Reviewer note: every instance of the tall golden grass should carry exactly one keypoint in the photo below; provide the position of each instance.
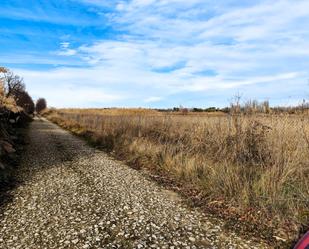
(254, 162)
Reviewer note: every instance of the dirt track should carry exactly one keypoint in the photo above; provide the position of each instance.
(73, 196)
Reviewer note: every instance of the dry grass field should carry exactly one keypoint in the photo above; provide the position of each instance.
(252, 167)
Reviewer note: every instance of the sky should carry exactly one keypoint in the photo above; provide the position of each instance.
(157, 53)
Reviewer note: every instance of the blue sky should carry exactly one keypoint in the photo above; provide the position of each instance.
(157, 53)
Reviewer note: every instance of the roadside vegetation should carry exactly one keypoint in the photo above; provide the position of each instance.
(16, 110)
(250, 164)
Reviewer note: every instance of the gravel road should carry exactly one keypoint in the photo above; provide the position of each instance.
(73, 196)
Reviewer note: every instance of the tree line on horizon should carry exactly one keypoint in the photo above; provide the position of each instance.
(247, 107)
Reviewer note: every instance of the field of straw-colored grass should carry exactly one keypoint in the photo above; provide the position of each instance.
(256, 164)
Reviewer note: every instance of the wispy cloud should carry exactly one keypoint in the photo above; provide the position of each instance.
(65, 49)
(162, 49)
(67, 88)
(153, 99)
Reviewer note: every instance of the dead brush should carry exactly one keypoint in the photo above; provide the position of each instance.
(253, 162)
(249, 144)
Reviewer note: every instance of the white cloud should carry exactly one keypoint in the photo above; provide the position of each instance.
(177, 46)
(153, 99)
(66, 87)
(65, 50)
(217, 83)
(64, 45)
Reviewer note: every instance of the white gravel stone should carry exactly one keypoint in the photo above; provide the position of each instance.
(192, 239)
(75, 241)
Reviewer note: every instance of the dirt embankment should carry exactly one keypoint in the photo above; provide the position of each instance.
(12, 139)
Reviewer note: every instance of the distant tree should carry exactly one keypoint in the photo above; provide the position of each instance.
(40, 105)
(197, 109)
(183, 110)
(211, 109)
(225, 110)
(235, 107)
(266, 107)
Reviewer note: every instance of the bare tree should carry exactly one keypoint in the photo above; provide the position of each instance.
(3, 70)
(14, 84)
(14, 87)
